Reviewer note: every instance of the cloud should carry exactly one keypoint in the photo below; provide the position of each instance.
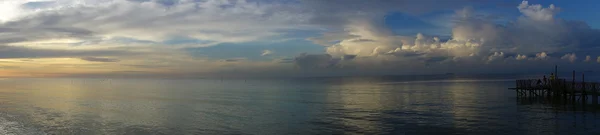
(233, 60)
(284, 60)
(537, 12)
(587, 59)
(348, 57)
(145, 66)
(7, 52)
(310, 61)
(571, 57)
(211, 20)
(473, 35)
(148, 35)
(99, 59)
(495, 56)
(541, 56)
(266, 52)
(435, 59)
(521, 57)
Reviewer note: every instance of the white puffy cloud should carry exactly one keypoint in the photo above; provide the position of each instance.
(495, 56)
(588, 58)
(571, 57)
(541, 56)
(537, 12)
(521, 57)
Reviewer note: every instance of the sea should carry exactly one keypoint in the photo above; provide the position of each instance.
(400, 105)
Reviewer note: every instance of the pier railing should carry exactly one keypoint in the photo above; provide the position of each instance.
(559, 84)
(560, 88)
(539, 84)
(584, 86)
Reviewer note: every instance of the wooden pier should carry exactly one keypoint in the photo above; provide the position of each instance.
(572, 91)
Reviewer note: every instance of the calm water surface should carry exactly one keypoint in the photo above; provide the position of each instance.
(367, 105)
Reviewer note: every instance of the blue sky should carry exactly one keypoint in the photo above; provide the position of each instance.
(203, 38)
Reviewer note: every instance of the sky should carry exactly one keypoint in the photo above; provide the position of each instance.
(293, 38)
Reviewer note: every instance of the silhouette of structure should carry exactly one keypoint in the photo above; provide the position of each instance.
(560, 89)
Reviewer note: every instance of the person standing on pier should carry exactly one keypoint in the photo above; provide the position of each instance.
(552, 77)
